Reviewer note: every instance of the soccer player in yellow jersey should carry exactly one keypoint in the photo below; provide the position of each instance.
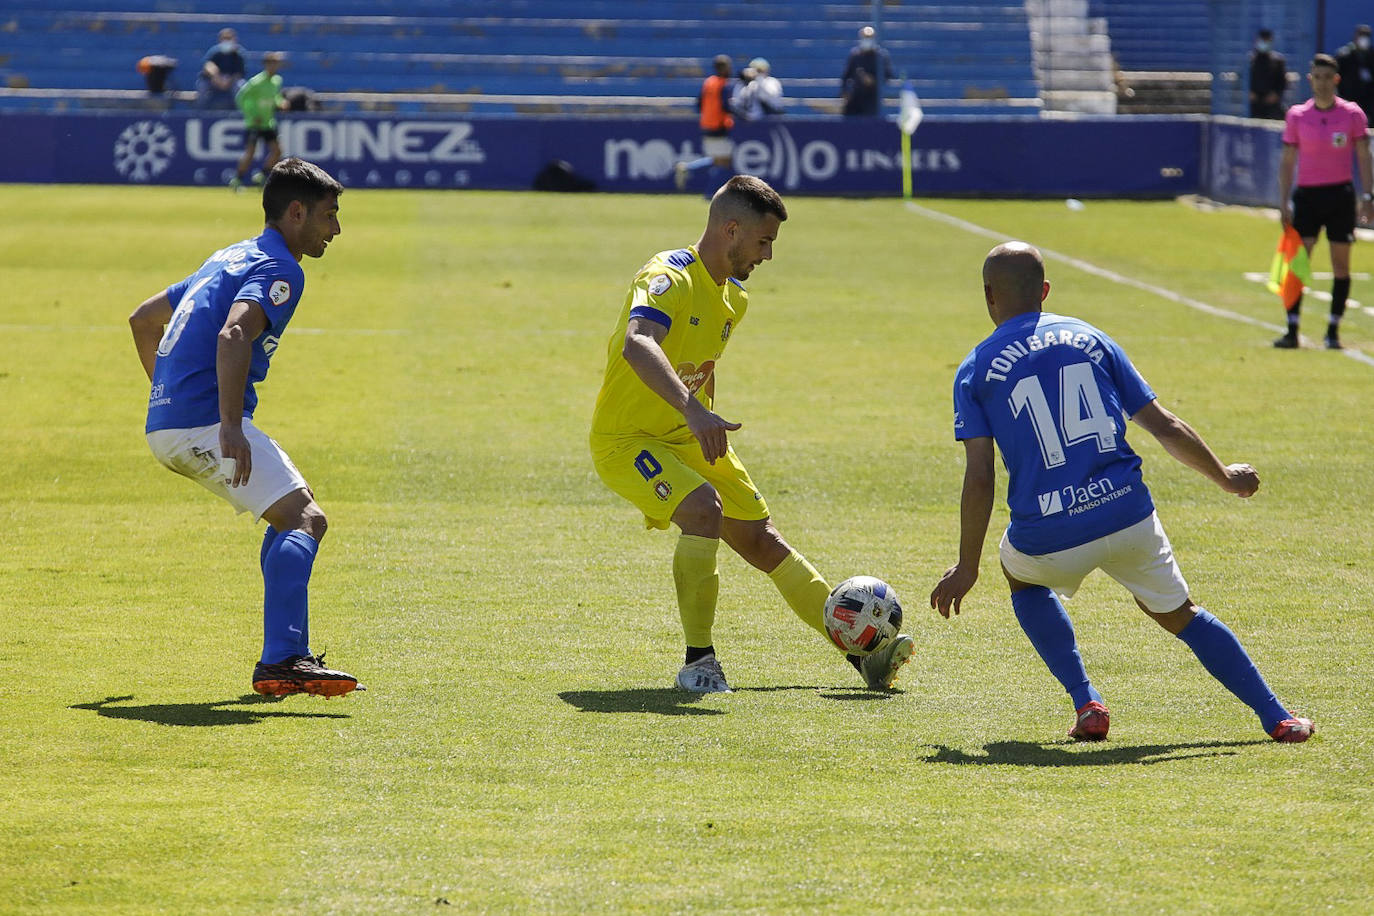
(657, 440)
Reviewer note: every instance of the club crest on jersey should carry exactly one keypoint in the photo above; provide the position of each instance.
(725, 331)
(1338, 139)
(663, 490)
(279, 292)
(660, 284)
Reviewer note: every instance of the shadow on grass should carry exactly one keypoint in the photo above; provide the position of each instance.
(245, 710)
(1072, 754)
(843, 694)
(670, 701)
(666, 701)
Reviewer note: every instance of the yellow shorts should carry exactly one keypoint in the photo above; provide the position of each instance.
(657, 474)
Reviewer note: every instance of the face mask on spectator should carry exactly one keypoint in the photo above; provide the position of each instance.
(1362, 43)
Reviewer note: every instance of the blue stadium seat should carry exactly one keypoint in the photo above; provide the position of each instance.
(652, 50)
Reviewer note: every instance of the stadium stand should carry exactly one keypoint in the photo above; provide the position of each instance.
(518, 56)
(1183, 56)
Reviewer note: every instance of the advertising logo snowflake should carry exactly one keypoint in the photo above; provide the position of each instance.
(144, 150)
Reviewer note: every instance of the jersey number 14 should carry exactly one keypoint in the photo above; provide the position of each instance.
(1082, 414)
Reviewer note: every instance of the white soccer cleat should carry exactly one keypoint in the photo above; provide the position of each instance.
(703, 676)
(880, 669)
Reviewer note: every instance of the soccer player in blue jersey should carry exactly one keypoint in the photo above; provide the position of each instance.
(205, 342)
(1052, 392)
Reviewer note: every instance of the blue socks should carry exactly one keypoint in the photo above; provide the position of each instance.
(1226, 660)
(1047, 624)
(287, 559)
(269, 537)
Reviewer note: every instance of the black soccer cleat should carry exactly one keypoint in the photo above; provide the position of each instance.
(302, 674)
(1288, 341)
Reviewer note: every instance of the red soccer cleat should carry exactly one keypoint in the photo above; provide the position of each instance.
(1092, 723)
(1293, 731)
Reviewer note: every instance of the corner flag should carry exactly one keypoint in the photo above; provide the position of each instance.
(1290, 268)
(909, 117)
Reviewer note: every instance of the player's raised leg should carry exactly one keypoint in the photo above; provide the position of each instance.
(762, 547)
(1222, 654)
(805, 591)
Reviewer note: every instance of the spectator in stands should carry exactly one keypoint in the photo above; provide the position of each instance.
(865, 72)
(260, 99)
(767, 88)
(221, 72)
(757, 95)
(1268, 78)
(157, 70)
(713, 103)
(1356, 64)
(1319, 138)
(744, 100)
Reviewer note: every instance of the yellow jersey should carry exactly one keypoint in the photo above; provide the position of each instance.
(676, 290)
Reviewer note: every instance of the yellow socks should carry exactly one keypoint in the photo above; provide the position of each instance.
(698, 582)
(803, 589)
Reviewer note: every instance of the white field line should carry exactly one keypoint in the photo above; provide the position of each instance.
(1114, 277)
(1257, 277)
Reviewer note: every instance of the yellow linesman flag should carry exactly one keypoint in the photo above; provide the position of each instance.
(1290, 269)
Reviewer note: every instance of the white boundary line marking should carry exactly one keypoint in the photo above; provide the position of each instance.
(1113, 276)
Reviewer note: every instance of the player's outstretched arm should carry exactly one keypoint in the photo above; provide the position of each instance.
(1184, 444)
(975, 509)
(147, 323)
(644, 352)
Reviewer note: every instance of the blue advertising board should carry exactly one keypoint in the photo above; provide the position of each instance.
(1242, 161)
(1011, 156)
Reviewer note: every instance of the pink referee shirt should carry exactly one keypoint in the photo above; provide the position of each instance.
(1325, 138)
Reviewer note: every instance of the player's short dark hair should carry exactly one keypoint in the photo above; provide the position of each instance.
(295, 179)
(747, 192)
(1326, 60)
(1266, 34)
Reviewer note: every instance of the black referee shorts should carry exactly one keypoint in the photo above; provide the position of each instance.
(1329, 205)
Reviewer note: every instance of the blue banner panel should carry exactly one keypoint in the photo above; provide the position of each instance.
(1010, 156)
(1243, 161)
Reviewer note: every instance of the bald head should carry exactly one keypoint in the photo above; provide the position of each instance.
(1013, 280)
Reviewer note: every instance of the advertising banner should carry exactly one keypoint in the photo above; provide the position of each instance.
(1012, 156)
(1242, 161)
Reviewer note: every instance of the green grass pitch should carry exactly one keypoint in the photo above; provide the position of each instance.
(520, 748)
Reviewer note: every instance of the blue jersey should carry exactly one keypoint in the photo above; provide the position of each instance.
(1054, 393)
(185, 385)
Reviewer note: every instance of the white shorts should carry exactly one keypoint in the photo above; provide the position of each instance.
(1139, 557)
(194, 453)
(717, 147)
